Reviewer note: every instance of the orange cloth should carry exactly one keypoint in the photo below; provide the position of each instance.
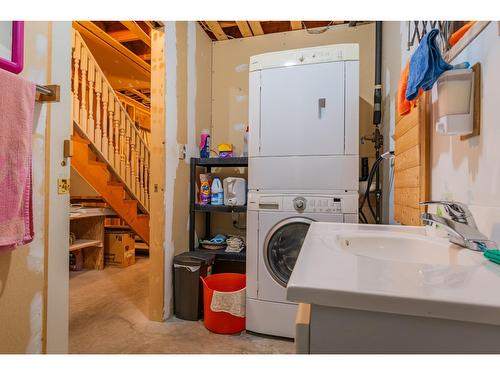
(457, 35)
(405, 106)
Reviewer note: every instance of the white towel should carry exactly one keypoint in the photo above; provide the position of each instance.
(229, 302)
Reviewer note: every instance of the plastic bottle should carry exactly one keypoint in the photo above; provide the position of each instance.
(204, 189)
(217, 192)
(205, 144)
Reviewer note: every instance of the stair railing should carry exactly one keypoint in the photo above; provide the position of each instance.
(99, 115)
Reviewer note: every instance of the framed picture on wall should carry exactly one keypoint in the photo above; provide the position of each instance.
(14, 64)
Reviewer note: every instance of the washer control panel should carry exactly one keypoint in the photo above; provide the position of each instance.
(335, 204)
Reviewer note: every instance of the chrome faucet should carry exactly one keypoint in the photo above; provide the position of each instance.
(461, 227)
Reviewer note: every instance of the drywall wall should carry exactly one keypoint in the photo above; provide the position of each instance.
(188, 88)
(466, 171)
(230, 77)
(22, 270)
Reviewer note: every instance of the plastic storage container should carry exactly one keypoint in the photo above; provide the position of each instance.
(222, 322)
(188, 291)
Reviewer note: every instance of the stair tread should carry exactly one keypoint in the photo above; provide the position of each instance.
(115, 183)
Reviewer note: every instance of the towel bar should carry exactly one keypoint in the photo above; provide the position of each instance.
(49, 93)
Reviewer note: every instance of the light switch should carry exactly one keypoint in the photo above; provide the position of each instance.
(63, 186)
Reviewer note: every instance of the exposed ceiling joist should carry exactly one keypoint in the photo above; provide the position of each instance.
(296, 25)
(98, 32)
(136, 29)
(244, 28)
(145, 56)
(216, 29)
(138, 105)
(123, 35)
(256, 27)
(140, 95)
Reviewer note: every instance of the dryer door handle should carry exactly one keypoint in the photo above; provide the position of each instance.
(321, 108)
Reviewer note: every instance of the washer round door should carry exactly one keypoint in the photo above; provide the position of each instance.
(282, 247)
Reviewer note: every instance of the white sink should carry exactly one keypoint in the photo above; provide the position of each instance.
(401, 247)
(394, 269)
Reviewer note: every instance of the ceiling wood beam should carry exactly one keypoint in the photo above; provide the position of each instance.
(145, 56)
(136, 29)
(296, 25)
(123, 35)
(140, 95)
(256, 28)
(90, 27)
(138, 105)
(244, 28)
(215, 28)
(224, 24)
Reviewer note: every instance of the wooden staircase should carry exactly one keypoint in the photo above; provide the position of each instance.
(113, 192)
(108, 150)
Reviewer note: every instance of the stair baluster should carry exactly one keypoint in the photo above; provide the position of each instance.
(77, 48)
(83, 101)
(98, 130)
(91, 79)
(121, 145)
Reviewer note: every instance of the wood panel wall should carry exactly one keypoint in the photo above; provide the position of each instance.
(412, 162)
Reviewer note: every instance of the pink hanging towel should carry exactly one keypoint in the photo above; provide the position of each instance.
(17, 104)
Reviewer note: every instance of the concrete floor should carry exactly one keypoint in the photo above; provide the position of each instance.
(108, 315)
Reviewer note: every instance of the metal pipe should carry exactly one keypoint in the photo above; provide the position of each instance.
(44, 90)
(377, 115)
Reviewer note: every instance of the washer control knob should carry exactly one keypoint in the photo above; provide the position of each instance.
(299, 204)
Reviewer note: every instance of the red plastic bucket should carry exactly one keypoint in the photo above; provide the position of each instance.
(222, 322)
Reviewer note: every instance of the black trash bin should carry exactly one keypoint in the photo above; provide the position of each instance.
(188, 289)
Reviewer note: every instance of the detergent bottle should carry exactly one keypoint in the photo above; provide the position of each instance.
(217, 192)
(204, 189)
(205, 144)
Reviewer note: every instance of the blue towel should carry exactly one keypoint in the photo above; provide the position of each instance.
(426, 65)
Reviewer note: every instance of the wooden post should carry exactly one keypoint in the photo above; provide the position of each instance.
(157, 203)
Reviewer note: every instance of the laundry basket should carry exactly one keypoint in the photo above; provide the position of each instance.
(234, 284)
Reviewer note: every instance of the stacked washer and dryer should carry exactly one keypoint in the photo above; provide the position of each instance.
(303, 166)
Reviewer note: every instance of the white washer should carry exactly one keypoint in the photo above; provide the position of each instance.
(276, 227)
(304, 118)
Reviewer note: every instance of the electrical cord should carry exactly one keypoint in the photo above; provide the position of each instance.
(366, 196)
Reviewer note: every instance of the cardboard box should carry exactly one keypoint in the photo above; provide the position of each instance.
(119, 248)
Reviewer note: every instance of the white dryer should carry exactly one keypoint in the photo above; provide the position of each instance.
(276, 227)
(304, 118)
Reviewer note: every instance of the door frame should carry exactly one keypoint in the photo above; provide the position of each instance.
(157, 179)
(55, 329)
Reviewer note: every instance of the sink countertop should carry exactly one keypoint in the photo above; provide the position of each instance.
(462, 286)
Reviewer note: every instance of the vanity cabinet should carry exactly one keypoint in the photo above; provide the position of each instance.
(333, 330)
